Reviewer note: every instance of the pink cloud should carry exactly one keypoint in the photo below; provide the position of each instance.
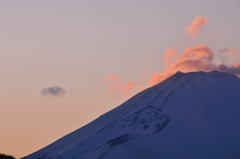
(112, 77)
(115, 84)
(195, 27)
(170, 55)
(197, 58)
(147, 71)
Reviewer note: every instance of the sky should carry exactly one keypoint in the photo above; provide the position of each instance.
(64, 63)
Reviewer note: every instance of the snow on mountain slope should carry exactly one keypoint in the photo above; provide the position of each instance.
(190, 115)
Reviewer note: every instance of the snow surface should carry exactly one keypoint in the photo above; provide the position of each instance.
(188, 116)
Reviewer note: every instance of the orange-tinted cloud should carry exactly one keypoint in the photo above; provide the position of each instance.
(170, 55)
(157, 77)
(115, 84)
(197, 58)
(195, 27)
(199, 51)
(143, 88)
(147, 71)
(112, 77)
(193, 58)
(130, 85)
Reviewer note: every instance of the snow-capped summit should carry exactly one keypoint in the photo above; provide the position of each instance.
(190, 115)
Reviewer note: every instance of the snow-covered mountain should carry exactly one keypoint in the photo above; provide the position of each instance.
(188, 116)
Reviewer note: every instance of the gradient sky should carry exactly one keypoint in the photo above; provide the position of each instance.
(76, 44)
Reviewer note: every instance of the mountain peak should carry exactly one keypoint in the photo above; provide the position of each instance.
(189, 115)
(199, 76)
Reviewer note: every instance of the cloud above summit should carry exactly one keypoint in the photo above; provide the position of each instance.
(197, 58)
(194, 58)
(194, 29)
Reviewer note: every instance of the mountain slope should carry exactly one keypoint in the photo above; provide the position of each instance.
(189, 115)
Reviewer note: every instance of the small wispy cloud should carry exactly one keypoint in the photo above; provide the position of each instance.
(115, 84)
(195, 27)
(170, 54)
(53, 91)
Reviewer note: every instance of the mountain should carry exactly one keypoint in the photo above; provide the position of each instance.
(188, 116)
